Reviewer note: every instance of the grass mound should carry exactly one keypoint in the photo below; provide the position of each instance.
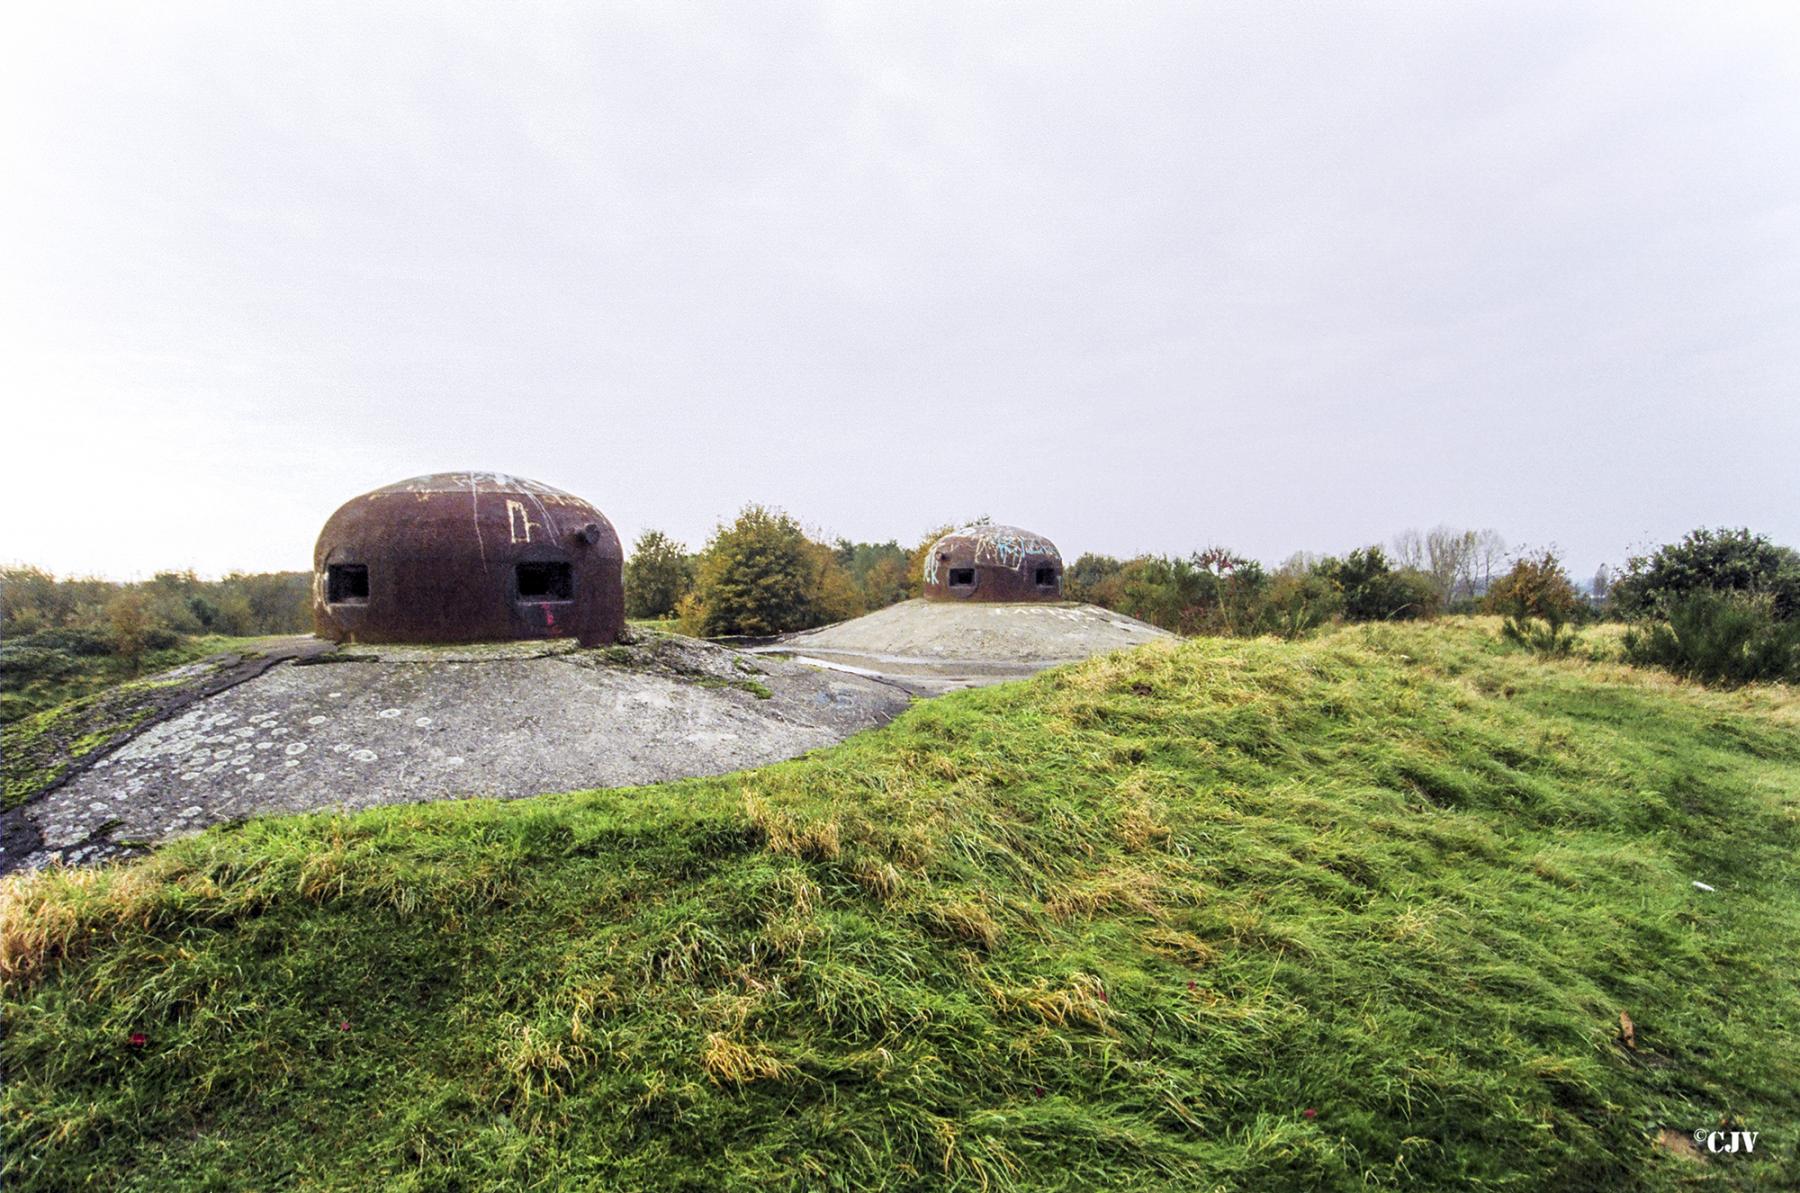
(40, 672)
(1363, 911)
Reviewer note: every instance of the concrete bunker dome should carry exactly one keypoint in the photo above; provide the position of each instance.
(985, 562)
(468, 557)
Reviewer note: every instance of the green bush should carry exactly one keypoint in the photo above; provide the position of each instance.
(1083, 578)
(1298, 602)
(20, 662)
(1209, 592)
(659, 574)
(1372, 590)
(33, 601)
(879, 570)
(1535, 587)
(70, 641)
(884, 583)
(1710, 561)
(763, 575)
(1726, 638)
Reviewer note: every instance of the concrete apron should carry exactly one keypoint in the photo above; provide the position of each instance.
(366, 726)
(932, 647)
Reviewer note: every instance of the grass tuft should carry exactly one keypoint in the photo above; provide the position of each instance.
(728, 1062)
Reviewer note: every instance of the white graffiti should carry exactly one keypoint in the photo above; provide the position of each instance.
(518, 521)
(487, 482)
(1000, 546)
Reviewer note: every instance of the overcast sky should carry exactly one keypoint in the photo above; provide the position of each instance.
(1141, 278)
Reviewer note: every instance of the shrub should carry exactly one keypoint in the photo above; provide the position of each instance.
(1082, 579)
(1538, 602)
(763, 575)
(129, 614)
(1536, 586)
(835, 594)
(1372, 590)
(657, 576)
(1156, 589)
(19, 663)
(1409, 596)
(885, 582)
(1298, 602)
(1726, 638)
(81, 642)
(1710, 561)
(33, 601)
(1209, 592)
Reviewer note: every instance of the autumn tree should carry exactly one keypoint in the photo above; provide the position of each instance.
(763, 575)
(1538, 602)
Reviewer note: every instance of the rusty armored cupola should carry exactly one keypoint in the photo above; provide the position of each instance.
(468, 557)
(993, 563)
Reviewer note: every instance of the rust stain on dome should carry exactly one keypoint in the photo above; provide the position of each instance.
(993, 563)
(468, 557)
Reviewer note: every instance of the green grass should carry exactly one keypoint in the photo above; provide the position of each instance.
(36, 750)
(656, 625)
(78, 676)
(1360, 912)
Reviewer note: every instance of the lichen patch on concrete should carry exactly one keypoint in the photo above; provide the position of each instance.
(362, 728)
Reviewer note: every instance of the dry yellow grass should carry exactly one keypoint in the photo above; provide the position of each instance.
(46, 912)
(728, 1062)
(1082, 1000)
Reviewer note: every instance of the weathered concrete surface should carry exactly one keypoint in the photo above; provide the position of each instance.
(930, 647)
(82, 732)
(369, 726)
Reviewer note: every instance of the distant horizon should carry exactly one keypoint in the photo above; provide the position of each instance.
(1144, 279)
(1580, 576)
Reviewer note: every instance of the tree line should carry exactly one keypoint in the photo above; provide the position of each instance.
(61, 636)
(1719, 605)
(765, 574)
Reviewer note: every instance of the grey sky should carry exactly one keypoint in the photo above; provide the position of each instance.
(1137, 277)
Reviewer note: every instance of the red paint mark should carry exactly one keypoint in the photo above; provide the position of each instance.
(549, 617)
